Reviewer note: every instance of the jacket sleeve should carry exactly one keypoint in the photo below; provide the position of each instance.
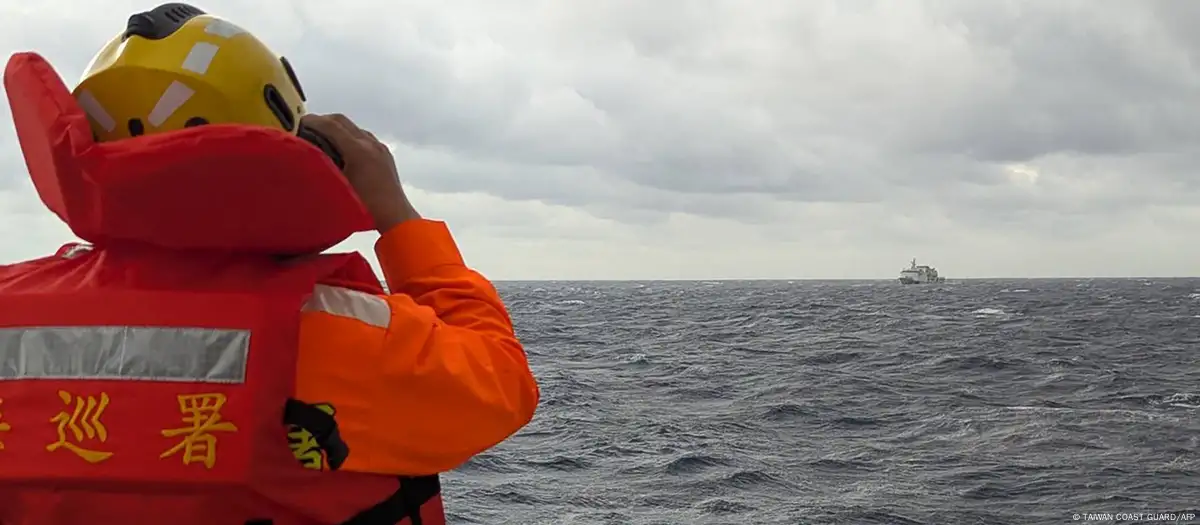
(424, 378)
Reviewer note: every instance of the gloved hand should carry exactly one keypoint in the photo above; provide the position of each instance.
(370, 169)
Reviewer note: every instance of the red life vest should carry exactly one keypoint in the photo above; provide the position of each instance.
(148, 380)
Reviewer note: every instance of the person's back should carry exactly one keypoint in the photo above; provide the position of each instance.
(183, 369)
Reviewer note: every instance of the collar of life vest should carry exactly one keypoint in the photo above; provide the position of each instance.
(227, 188)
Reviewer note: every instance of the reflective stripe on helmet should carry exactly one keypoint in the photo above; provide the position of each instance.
(176, 95)
(96, 110)
(223, 28)
(198, 60)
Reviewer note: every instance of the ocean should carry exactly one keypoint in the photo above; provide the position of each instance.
(850, 402)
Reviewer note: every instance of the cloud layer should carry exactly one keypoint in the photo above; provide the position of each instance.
(706, 139)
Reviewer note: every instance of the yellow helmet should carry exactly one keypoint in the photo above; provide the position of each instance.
(176, 67)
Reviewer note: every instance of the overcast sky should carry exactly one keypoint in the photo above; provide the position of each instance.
(626, 139)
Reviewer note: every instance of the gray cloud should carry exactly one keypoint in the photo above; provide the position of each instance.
(811, 107)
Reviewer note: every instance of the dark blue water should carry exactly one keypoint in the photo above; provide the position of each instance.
(970, 402)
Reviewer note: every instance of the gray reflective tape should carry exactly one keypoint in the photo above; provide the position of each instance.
(119, 352)
(344, 302)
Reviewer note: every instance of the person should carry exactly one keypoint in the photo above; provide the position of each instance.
(207, 363)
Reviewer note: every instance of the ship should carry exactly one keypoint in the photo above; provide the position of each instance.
(920, 274)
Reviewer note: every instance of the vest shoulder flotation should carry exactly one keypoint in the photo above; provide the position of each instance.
(213, 187)
(146, 386)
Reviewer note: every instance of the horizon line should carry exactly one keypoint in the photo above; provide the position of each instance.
(777, 279)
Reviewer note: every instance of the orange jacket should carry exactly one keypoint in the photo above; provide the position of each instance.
(424, 378)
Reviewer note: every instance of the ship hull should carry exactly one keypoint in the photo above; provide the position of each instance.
(907, 280)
